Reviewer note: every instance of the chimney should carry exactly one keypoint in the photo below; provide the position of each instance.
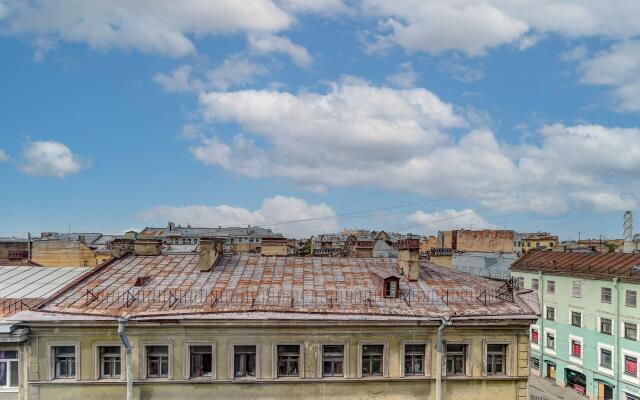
(81, 238)
(147, 247)
(209, 252)
(171, 226)
(408, 258)
(629, 245)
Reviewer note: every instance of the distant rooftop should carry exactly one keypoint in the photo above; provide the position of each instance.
(190, 231)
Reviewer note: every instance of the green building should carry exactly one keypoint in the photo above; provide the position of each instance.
(587, 336)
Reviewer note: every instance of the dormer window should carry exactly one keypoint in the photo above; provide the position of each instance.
(391, 288)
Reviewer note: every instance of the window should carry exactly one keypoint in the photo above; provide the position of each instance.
(576, 318)
(372, 359)
(200, 361)
(496, 354)
(244, 361)
(630, 298)
(605, 326)
(551, 341)
(289, 360)
(9, 369)
(551, 287)
(605, 295)
(576, 348)
(576, 289)
(630, 331)
(535, 283)
(109, 361)
(456, 359)
(333, 360)
(64, 361)
(519, 282)
(630, 365)
(414, 359)
(551, 313)
(535, 336)
(606, 358)
(535, 363)
(391, 288)
(157, 361)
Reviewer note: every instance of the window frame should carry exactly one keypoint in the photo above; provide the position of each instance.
(573, 358)
(7, 388)
(602, 294)
(426, 368)
(624, 330)
(231, 364)
(385, 358)
(571, 312)
(612, 324)
(546, 313)
(547, 349)
(623, 374)
(537, 284)
(602, 368)
(506, 361)
(187, 360)
(467, 358)
(535, 345)
(531, 358)
(627, 292)
(551, 287)
(143, 361)
(345, 359)
(97, 367)
(275, 358)
(51, 360)
(576, 289)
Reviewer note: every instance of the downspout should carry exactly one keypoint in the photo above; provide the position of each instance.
(541, 335)
(617, 327)
(127, 346)
(439, 352)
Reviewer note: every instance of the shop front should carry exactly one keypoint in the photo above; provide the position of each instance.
(576, 380)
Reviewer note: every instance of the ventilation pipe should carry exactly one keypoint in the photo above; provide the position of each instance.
(440, 350)
(129, 362)
(629, 245)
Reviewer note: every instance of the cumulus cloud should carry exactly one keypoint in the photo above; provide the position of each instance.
(404, 77)
(266, 44)
(316, 6)
(151, 26)
(49, 158)
(277, 209)
(179, 80)
(235, 71)
(449, 219)
(3, 156)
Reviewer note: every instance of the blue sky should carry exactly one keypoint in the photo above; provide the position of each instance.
(407, 115)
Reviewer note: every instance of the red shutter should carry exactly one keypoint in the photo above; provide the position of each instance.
(576, 349)
(631, 366)
(534, 336)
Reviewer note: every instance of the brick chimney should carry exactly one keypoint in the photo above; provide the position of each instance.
(409, 259)
(147, 247)
(209, 252)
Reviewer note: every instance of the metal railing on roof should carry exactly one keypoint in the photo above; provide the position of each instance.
(13, 306)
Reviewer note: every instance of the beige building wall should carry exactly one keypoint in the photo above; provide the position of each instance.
(444, 261)
(268, 386)
(63, 254)
(275, 249)
(485, 240)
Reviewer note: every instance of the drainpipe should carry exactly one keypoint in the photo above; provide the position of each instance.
(127, 346)
(439, 352)
(541, 335)
(617, 327)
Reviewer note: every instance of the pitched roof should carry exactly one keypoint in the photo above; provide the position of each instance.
(593, 265)
(269, 284)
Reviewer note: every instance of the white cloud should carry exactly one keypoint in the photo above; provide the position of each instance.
(49, 158)
(404, 77)
(273, 209)
(3, 156)
(619, 69)
(235, 71)
(179, 80)
(577, 53)
(449, 219)
(152, 26)
(316, 6)
(43, 46)
(460, 71)
(265, 44)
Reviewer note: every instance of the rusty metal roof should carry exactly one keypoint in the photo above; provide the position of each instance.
(247, 283)
(593, 265)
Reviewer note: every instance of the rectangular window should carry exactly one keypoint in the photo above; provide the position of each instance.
(157, 361)
(372, 359)
(551, 287)
(244, 361)
(64, 361)
(605, 326)
(496, 354)
(535, 283)
(535, 363)
(576, 348)
(9, 369)
(200, 361)
(456, 359)
(576, 289)
(576, 318)
(605, 295)
(605, 358)
(551, 313)
(109, 361)
(630, 298)
(414, 359)
(535, 336)
(333, 360)
(391, 288)
(288, 360)
(630, 365)
(519, 282)
(630, 331)
(551, 341)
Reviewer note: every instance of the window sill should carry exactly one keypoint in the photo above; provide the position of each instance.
(9, 390)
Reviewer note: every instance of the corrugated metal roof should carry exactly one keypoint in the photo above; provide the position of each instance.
(21, 282)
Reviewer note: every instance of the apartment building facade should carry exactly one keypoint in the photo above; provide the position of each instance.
(587, 336)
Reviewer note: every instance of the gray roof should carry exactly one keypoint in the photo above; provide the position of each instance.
(18, 282)
(208, 232)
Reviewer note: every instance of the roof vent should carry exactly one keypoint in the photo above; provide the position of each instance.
(142, 280)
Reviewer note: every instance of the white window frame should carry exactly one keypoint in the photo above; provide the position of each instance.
(385, 358)
(572, 358)
(231, 366)
(7, 388)
(345, 359)
(613, 325)
(623, 375)
(626, 297)
(187, 360)
(274, 364)
(610, 294)
(535, 346)
(576, 289)
(554, 287)
(97, 371)
(605, 370)
(551, 351)
(51, 360)
(582, 324)
(622, 330)
(555, 313)
(143, 360)
(427, 358)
